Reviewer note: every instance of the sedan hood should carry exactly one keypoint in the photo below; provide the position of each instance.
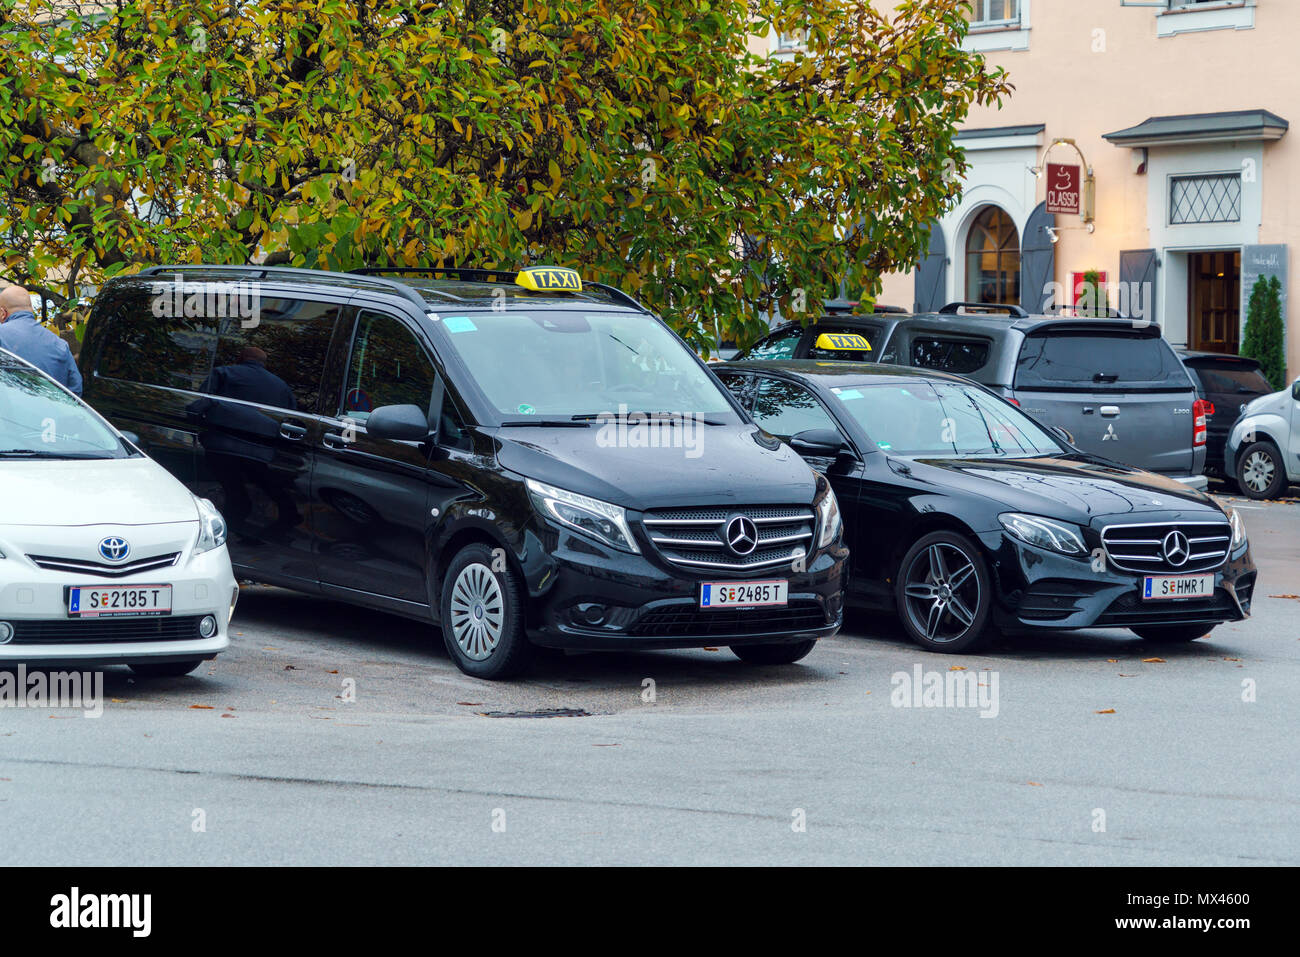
(1078, 489)
(134, 491)
(707, 465)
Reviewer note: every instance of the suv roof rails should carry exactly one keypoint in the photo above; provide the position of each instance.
(839, 306)
(473, 274)
(955, 308)
(290, 272)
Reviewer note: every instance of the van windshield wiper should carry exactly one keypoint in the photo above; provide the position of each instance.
(652, 416)
(547, 423)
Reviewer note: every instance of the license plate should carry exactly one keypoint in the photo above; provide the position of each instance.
(1183, 586)
(743, 594)
(113, 601)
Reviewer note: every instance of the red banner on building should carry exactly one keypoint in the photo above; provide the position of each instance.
(1064, 189)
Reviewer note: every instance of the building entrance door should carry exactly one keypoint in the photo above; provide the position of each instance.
(1214, 301)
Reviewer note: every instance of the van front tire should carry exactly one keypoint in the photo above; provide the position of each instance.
(482, 614)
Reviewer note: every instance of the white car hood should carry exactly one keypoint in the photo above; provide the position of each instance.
(134, 491)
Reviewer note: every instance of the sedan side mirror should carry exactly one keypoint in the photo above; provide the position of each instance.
(818, 443)
(404, 423)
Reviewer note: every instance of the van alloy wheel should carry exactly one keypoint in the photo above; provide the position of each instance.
(477, 614)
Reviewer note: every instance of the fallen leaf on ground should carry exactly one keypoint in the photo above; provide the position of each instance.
(1107, 711)
(202, 707)
(957, 668)
(1284, 596)
(470, 704)
(1155, 661)
(334, 672)
(1112, 661)
(1034, 784)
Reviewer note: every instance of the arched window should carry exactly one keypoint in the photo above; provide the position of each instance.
(993, 258)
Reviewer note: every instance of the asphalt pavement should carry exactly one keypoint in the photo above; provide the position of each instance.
(333, 735)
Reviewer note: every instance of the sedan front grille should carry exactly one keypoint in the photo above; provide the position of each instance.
(103, 569)
(697, 537)
(1144, 548)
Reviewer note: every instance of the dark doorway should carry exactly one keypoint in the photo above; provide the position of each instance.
(1214, 301)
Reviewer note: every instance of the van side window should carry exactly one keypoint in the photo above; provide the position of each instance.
(141, 347)
(289, 338)
(958, 356)
(388, 366)
(451, 426)
(785, 409)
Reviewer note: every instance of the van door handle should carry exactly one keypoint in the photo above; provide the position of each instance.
(334, 440)
(293, 433)
(1110, 410)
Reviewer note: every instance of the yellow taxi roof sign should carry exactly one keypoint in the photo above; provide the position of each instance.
(842, 340)
(549, 279)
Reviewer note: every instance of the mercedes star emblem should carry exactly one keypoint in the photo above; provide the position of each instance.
(1177, 548)
(742, 535)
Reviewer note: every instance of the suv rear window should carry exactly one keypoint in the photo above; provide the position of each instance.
(1233, 378)
(958, 356)
(1099, 361)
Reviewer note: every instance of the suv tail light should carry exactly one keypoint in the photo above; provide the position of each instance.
(1201, 411)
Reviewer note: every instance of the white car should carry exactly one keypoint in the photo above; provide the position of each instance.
(1263, 448)
(105, 558)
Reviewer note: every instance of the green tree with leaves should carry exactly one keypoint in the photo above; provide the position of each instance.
(642, 143)
(1263, 337)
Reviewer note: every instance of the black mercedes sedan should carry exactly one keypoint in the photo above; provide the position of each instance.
(968, 517)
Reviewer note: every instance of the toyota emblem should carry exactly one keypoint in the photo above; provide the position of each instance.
(1177, 548)
(742, 535)
(114, 549)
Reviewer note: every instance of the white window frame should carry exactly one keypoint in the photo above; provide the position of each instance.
(980, 17)
(986, 36)
(1197, 16)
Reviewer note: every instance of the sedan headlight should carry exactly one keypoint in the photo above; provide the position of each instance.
(828, 518)
(212, 527)
(1044, 533)
(602, 521)
(1238, 525)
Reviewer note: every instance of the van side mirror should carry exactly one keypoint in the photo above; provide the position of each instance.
(403, 423)
(818, 443)
(1295, 390)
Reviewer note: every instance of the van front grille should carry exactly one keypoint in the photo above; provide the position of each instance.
(697, 537)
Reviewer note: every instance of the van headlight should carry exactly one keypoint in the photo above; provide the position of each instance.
(1238, 526)
(1044, 533)
(212, 527)
(828, 518)
(602, 521)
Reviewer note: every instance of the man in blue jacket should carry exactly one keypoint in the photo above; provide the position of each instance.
(27, 339)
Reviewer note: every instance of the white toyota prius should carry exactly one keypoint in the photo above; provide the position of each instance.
(105, 558)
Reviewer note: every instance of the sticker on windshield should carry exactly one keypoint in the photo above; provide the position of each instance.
(460, 324)
(846, 394)
(885, 445)
(526, 409)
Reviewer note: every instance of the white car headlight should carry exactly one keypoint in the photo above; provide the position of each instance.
(602, 521)
(1238, 525)
(212, 527)
(828, 519)
(1044, 533)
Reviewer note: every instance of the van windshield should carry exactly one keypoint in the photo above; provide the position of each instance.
(562, 364)
(38, 420)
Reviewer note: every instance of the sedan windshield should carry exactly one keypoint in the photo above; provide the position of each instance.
(38, 420)
(939, 419)
(563, 365)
